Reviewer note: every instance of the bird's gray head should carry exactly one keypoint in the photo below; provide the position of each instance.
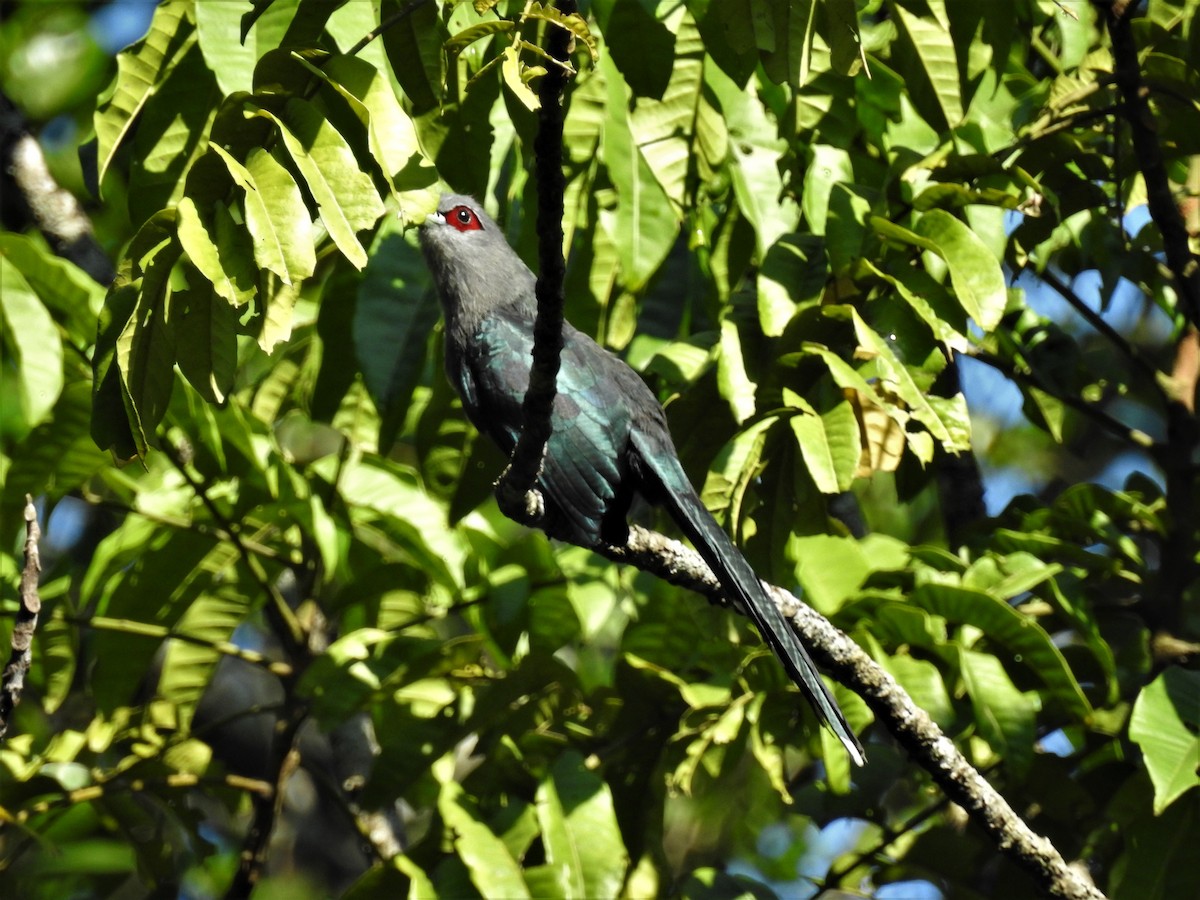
(474, 268)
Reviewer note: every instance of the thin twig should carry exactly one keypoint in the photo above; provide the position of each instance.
(13, 681)
(284, 620)
(1097, 322)
(1134, 436)
(403, 13)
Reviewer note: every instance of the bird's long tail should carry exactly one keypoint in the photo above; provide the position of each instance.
(740, 583)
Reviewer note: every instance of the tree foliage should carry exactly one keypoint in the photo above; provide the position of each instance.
(293, 627)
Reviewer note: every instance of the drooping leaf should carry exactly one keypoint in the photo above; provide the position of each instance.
(643, 226)
(141, 68)
(936, 54)
(204, 334)
(1164, 724)
(390, 132)
(493, 870)
(218, 249)
(414, 48)
(346, 197)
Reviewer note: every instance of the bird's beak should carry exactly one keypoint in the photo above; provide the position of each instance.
(436, 218)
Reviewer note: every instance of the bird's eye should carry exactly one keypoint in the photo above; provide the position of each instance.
(464, 219)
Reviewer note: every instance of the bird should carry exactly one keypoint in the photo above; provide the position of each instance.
(609, 441)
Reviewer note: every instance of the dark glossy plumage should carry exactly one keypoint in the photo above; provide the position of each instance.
(610, 439)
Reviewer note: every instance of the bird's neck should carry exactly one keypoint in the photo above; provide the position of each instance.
(467, 315)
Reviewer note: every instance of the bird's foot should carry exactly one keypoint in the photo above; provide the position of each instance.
(527, 507)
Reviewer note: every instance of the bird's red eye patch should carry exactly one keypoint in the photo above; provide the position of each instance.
(464, 219)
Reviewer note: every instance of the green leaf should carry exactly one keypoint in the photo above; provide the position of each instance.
(975, 272)
(141, 69)
(1159, 852)
(923, 294)
(465, 38)
(113, 420)
(216, 248)
(167, 575)
(583, 125)
(172, 133)
(579, 829)
(828, 167)
(756, 148)
(346, 196)
(414, 48)
(493, 870)
(391, 134)
(845, 233)
(233, 39)
(947, 420)
(664, 128)
(831, 568)
(393, 317)
(204, 334)
(924, 683)
(145, 351)
(57, 456)
(573, 23)
(643, 226)
(846, 56)
(830, 443)
(734, 470)
(31, 344)
(209, 622)
(1164, 724)
(732, 381)
(1005, 716)
(72, 297)
(792, 278)
(276, 216)
(930, 35)
(1019, 634)
(786, 40)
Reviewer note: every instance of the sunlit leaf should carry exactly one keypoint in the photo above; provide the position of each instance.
(140, 70)
(1164, 724)
(30, 339)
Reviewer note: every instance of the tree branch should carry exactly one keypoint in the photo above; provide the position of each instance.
(267, 806)
(55, 211)
(1161, 201)
(514, 491)
(13, 681)
(893, 708)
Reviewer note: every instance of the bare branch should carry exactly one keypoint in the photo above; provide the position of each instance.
(893, 708)
(13, 680)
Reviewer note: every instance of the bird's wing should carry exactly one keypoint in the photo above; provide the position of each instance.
(586, 459)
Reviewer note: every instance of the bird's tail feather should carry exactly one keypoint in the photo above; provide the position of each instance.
(740, 582)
